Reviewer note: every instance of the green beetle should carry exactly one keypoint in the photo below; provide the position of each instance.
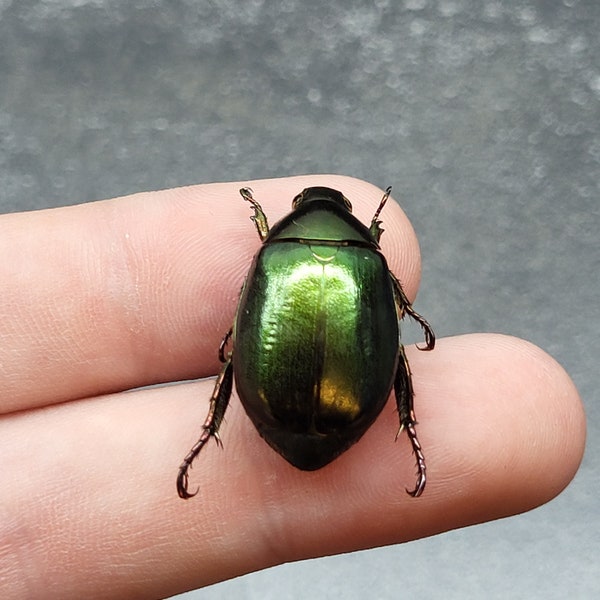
(316, 339)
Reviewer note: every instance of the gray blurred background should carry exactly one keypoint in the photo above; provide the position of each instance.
(484, 116)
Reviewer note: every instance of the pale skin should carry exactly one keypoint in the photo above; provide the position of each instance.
(108, 296)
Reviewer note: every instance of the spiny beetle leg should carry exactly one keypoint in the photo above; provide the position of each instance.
(259, 217)
(404, 306)
(223, 345)
(218, 405)
(404, 400)
(375, 228)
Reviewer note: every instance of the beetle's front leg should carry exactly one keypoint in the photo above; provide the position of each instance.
(404, 306)
(218, 405)
(375, 227)
(404, 392)
(259, 217)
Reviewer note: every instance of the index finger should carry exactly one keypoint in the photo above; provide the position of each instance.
(122, 293)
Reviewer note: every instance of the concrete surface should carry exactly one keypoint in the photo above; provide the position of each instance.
(485, 116)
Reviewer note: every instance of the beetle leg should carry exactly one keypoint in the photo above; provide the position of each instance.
(404, 392)
(259, 217)
(218, 405)
(223, 344)
(404, 306)
(375, 228)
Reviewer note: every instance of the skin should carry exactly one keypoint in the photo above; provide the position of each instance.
(108, 296)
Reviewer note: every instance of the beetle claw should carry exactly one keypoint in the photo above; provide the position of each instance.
(182, 483)
(419, 487)
(187, 495)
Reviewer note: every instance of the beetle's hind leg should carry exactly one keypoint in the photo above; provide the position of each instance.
(259, 217)
(404, 392)
(218, 405)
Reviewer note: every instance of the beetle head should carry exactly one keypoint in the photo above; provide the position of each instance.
(321, 193)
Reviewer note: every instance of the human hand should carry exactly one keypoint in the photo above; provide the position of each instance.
(108, 296)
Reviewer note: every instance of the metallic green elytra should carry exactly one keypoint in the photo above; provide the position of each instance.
(316, 344)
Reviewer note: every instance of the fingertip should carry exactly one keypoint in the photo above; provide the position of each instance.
(508, 427)
(557, 418)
